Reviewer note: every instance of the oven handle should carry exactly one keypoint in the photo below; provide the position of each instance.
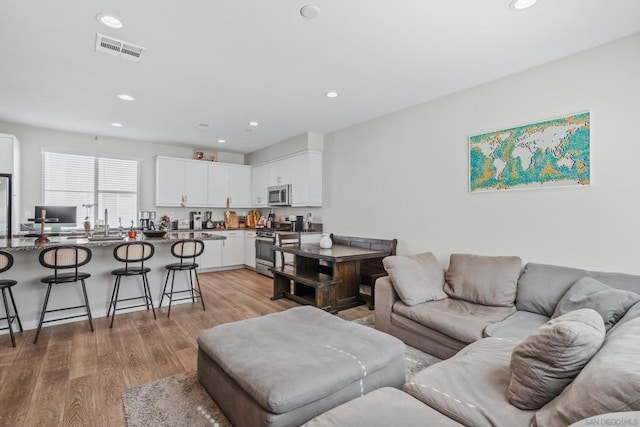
(266, 239)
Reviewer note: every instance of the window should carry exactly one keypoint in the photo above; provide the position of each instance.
(106, 183)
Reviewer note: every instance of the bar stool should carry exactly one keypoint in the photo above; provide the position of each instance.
(187, 251)
(6, 262)
(65, 257)
(135, 253)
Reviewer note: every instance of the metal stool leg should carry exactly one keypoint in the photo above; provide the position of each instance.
(113, 293)
(193, 297)
(199, 289)
(164, 289)
(86, 302)
(9, 319)
(173, 279)
(44, 310)
(116, 289)
(147, 293)
(15, 310)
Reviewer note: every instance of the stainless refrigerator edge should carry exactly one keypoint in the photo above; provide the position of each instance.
(6, 192)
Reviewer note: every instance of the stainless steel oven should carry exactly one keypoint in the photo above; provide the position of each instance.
(265, 255)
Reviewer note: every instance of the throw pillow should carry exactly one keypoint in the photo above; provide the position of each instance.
(487, 280)
(609, 383)
(550, 358)
(417, 278)
(588, 292)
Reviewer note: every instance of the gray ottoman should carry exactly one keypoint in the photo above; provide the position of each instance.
(285, 368)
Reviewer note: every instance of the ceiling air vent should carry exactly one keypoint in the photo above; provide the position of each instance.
(115, 47)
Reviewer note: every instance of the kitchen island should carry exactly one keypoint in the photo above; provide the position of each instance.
(29, 293)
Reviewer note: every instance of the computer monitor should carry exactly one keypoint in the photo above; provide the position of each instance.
(67, 215)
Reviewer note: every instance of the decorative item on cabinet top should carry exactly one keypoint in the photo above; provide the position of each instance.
(211, 156)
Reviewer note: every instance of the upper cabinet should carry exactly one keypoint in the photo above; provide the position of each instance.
(303, 171)
(181, 182)
(231, 181)
(196, 183)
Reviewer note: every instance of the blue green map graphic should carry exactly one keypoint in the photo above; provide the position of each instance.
(543, 154)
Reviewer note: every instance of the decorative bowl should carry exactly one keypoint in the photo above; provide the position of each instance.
(154, 233)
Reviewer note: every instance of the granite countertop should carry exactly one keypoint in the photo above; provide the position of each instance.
(28, 243)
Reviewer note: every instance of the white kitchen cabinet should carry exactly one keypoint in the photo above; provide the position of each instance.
(212, 255)
(231, 181)
(303, 171)
(280, 171)
(233, 248)
(306, 179)
(259, 184)
(250, 248)
(181, 181)
(240, 186)
(10, 164)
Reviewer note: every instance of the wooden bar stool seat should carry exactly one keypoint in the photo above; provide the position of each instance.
(186, 251)
(61, 258)
(133, 254)
(6, 262)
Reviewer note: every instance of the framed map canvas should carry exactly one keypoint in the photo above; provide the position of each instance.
(544, 154)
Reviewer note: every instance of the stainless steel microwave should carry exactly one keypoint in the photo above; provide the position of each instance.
(280, 195)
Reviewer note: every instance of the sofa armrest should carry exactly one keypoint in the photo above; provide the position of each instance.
(385, 297)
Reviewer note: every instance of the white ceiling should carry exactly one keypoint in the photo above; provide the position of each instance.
(228, 62)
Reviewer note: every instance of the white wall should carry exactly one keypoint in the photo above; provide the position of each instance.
(405, 175)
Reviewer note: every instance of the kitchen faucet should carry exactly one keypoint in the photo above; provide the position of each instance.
(106, 222)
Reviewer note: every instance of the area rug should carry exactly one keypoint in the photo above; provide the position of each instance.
(180, 400)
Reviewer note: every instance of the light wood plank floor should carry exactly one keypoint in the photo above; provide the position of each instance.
(73, 377)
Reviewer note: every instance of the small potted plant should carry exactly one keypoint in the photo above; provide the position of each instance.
(87, 220)
(132, 232)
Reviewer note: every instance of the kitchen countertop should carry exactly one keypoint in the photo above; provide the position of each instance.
(28, 243)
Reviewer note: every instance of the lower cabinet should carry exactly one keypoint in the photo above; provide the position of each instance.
(250, 248)
(233, 248)
(212, 255)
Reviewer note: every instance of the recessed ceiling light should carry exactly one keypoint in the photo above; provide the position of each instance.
(203, 125)
(331, 94)
(222, 141)
(109, 20)
(522, 4)
(125, 97)
(310, 11)
(253, 123)
(116, 125)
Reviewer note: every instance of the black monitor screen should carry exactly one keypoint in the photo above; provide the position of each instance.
(65, 214)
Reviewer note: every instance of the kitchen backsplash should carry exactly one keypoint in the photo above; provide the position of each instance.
(218, 213)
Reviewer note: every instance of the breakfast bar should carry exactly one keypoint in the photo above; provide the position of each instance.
(325, 278)
(29, 293)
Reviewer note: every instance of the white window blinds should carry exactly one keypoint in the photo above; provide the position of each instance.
(106, 183)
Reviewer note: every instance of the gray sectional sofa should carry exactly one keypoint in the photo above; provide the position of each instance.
(542, 346)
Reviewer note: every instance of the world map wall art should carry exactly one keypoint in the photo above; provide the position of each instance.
(544, 154)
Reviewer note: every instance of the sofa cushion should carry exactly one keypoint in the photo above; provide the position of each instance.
(417, 278)
(546, 361)
(462, 320)
(488, 280)
(383, 407)
(517, 327)
(631, 314)
(588, 292)
(541, 286)
(609, 383)
(471, 387)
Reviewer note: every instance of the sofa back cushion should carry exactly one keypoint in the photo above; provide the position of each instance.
(609, 383)
(588, 292)
(417, 278)
(541, 286)
(551, 357)
(487, 280)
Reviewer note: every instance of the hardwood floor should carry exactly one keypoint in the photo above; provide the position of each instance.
(74, 377)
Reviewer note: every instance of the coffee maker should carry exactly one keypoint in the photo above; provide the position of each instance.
(147, 220)
(208, 220)
(196, 220)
